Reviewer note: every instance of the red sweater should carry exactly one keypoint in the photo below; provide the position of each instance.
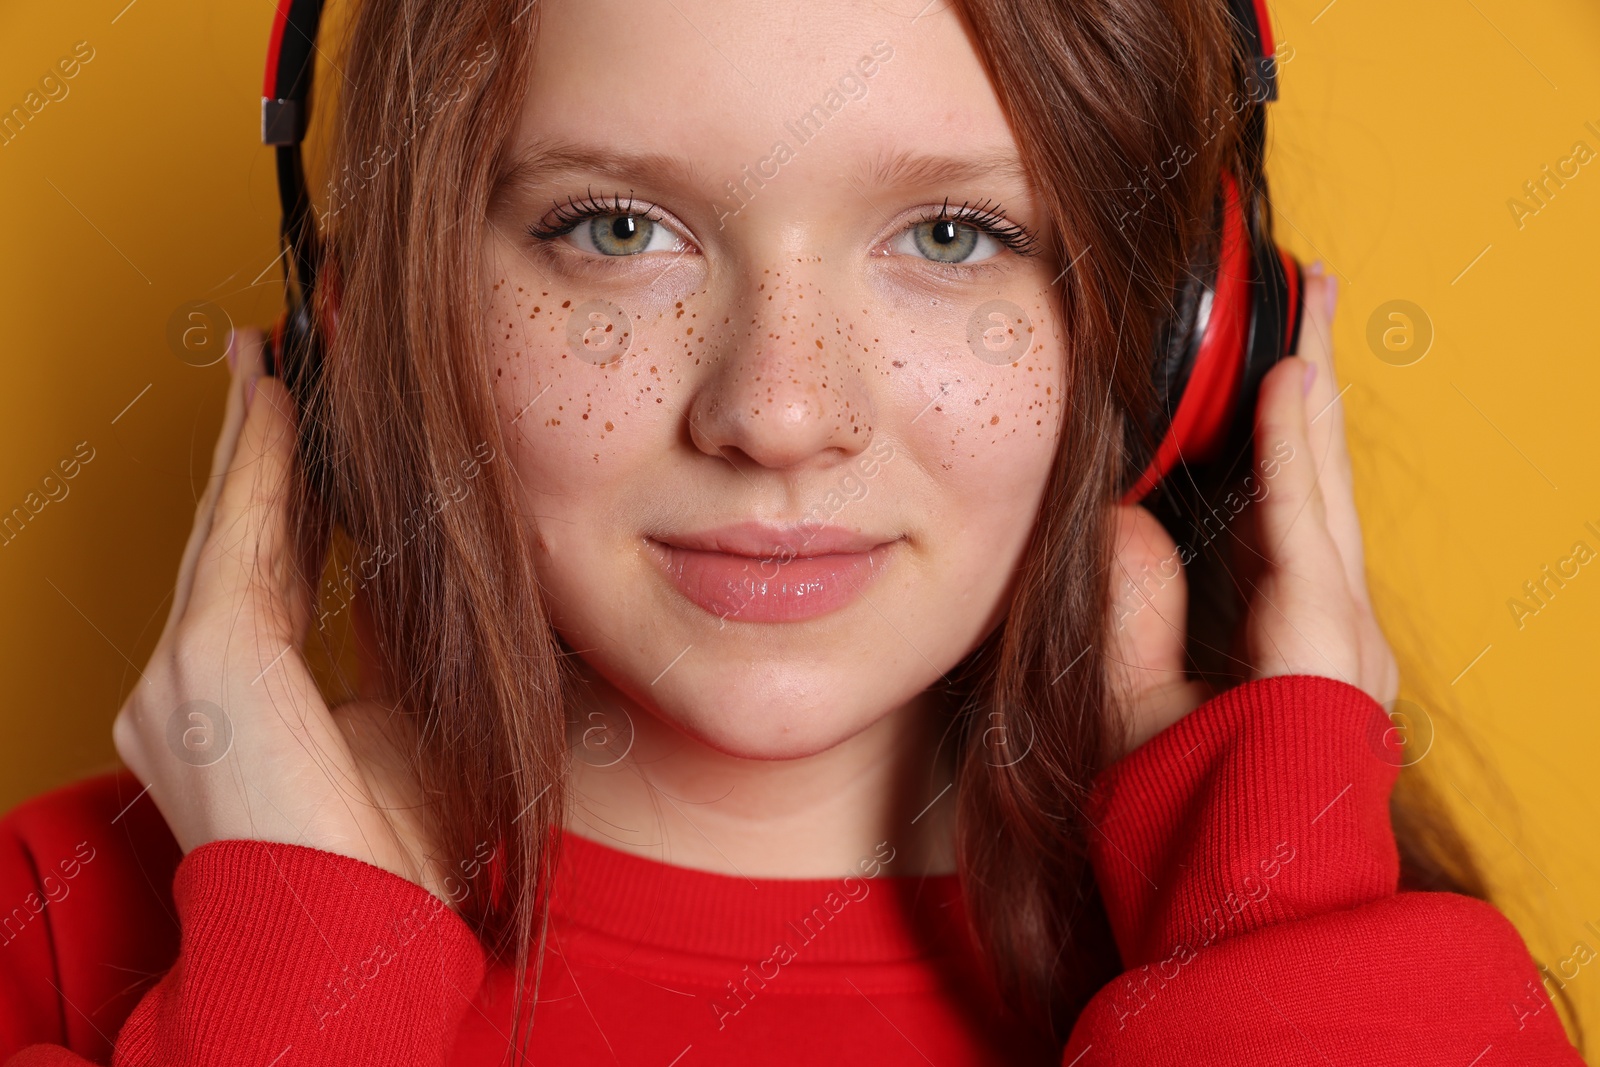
(1245, 856)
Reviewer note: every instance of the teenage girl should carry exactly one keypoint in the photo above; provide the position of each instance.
(720, 440)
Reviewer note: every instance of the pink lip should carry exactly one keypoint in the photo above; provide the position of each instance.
(752, 572)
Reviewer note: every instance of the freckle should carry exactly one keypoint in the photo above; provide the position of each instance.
(899, 363)
(566, 303)
(609, 427)
(994, 420)
(658, 400)
(586, 416)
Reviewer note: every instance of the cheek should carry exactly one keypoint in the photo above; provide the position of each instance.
(984, 430)
(984, 398)
(581, 384)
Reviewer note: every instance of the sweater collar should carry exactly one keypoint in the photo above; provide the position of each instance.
(849, 919)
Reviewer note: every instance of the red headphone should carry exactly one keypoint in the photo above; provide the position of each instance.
(1239, 315)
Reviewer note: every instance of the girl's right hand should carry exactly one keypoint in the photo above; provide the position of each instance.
(226, 726)
(1301, 558)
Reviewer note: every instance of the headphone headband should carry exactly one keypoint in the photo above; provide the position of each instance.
(286, 91)
(1255, 31)
(285, 115)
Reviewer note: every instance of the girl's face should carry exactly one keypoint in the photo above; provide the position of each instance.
(781, 429)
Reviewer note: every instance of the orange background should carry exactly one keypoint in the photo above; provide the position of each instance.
(1402, 134)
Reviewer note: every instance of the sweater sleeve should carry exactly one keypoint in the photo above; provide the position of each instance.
(291, 955)
(1249, 869)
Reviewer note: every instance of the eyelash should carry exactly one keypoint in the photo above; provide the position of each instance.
(986, 216)
(567, 218)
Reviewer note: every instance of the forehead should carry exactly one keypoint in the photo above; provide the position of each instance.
(842, 83)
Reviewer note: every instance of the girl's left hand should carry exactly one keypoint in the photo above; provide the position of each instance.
(1302, 570)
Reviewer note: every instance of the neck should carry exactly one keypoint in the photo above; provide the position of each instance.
(661, 794)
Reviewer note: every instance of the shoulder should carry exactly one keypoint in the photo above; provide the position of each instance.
(86, 914)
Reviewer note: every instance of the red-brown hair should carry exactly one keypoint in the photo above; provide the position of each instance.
(1098, 93)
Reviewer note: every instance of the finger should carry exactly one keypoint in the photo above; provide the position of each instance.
(1145, 659)
(1326, 428)
(1315, 348)
(1149, 594)
(249, 548)
(243, 351)
(1293, 523)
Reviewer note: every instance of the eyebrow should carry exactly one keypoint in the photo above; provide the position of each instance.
(918, 169)
(543, 160)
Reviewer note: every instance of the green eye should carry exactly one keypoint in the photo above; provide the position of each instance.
(608, 227)
(945, 240)
(967, 235)
(621, 235)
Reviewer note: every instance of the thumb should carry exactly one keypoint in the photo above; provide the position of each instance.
(1293, 508)
(1149, 598)
(1147, 644)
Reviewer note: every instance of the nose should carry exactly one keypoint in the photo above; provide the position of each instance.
(785, 389)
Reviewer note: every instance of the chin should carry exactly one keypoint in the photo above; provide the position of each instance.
(773, 711)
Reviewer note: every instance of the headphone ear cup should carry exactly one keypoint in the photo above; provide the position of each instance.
(1200, 392)
(1177, 343)
(1277, 299)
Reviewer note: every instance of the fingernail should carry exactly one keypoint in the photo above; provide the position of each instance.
(1333, 295)
(1315, 270)
(1310, 376)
